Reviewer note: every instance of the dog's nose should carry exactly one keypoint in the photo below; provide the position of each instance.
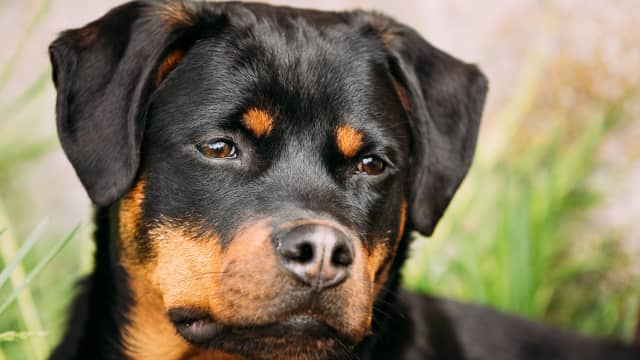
(318, 255)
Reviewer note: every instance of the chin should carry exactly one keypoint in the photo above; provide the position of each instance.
(299, 337)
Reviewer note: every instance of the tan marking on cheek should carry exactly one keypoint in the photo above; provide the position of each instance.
(168, 65)
(186, 271)
(180, 275)
(130, 210)
(129, 217)
(253, 281)
(230, 284)
(150, 334)
(349, 140)
(382, 256)
(358, 295)
(401, 224)
(241, 284)
(377, 257)
(258, 121)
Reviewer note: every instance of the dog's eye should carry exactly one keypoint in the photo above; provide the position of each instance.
(371, 165)
(218, 149)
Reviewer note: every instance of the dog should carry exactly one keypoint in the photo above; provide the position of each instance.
(256, 173)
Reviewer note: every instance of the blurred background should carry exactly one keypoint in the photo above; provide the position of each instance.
(546, 225)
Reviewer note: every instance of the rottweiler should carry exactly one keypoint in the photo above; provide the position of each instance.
(257, 172)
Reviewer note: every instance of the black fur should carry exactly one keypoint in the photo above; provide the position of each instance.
(313, 70)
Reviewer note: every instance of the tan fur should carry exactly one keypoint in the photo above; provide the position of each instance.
(381, 256)
(258, 121)
(175, 13)
(190, 269)
(402, 95)
(402, 223)
(150, 335)
(168, 64)
(359, 297)
(255, 290)
(182, 274)
(349, 140)
(130, 215)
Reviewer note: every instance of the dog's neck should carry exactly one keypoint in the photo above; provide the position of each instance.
(119, 315)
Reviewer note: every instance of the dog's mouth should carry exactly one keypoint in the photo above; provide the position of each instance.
(195, 326)
(200, 329)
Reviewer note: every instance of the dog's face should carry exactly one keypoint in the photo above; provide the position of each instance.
(261, 165)
(270, 194)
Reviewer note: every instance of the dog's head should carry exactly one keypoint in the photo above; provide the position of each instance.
(263, 165)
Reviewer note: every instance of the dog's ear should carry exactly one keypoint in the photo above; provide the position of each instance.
(104, 74)
(444, 98)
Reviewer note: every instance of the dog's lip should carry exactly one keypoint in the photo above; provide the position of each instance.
(198, 327)
(194, 325)
(294, 326)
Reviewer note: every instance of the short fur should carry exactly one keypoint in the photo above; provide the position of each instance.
(301, 97)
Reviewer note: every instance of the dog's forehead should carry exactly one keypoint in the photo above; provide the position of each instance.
(293, 66)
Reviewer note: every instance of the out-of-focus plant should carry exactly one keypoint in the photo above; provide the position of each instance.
(507, 244)
(11, 266)
(510, 239)
(22, 311)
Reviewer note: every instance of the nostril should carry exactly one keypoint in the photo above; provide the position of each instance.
(319, 256)
(341, 256)
(302, 252)
(305, 253)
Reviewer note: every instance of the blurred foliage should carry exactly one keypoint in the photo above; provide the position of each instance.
(517, 237)
(21, 283)
(514, 238)
(31, 310)
(509, 243)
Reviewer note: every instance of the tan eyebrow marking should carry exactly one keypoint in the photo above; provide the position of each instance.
(349, 140)
(258, 121)
(168, 64)
(175, 13)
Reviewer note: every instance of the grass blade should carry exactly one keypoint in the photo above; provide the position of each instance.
(41, 265)
(20, 335)
(22, 252)
(37, 347)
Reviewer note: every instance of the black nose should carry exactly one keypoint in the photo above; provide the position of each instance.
(320, 256)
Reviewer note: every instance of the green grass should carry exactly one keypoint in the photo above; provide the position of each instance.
(24, 250)
(26, 304)
(30, 260)
(511, 239)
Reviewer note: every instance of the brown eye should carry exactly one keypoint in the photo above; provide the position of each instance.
(371, 165)
(218, 149)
